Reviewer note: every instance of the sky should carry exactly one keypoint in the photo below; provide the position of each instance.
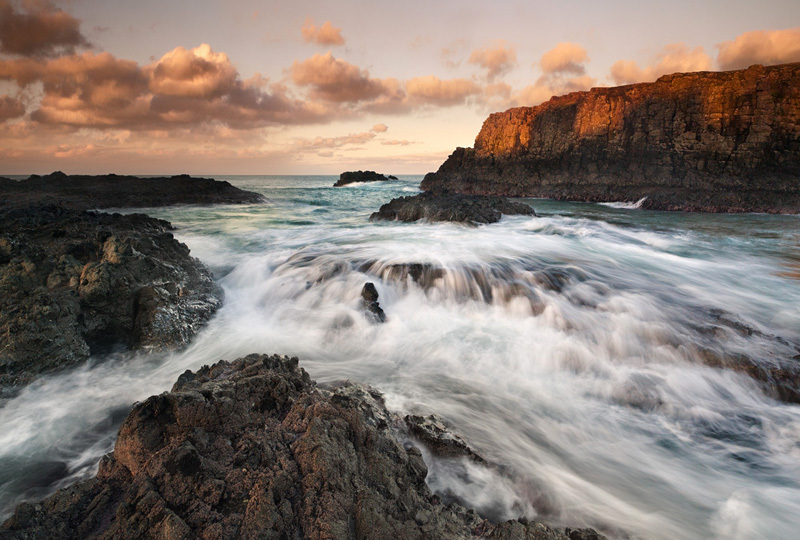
(320, 87)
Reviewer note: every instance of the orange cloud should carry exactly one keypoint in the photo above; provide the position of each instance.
(431, 90)
(198, 72)
(333, 79)
(673, 58)
(760, 47)
(496, 60)
(10, 108)
(40, 30)
(565, 58)
(326, 34)
(380, 128)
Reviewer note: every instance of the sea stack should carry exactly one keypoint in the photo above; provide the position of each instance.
(351, 177)
(706, 141)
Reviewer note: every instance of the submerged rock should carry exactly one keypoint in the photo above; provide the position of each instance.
(446, 206)
(369, 301)
(254, 449)
(704, 141)
(351, 177)
(81, 192)
(74, 283)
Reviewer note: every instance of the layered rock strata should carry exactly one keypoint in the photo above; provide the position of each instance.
(253, 449)
(706, 141)
(73, 283)
(81, 192)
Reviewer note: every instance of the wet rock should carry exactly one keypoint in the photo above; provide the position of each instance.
(369, 301)
(446, 206)
(74, 283)
(706, 141)
(254, 449)
(351, 177)
(113, 191)
(433, 432)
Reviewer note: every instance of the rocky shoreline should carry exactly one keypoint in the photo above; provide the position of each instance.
(83, 192)
(705, 141)
(75, 283)
(254, 449)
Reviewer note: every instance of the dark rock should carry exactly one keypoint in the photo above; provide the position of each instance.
(445, 206)
(73, 283)
(82, 192)
(391, 177)
(705, 141)
(369, 301)
(433, 432)
(253, 449)
(351, 177)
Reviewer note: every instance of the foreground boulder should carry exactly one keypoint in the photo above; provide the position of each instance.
(351, 177)
(706, 141)
(82, 192)
(253, 449)
(445, 206)
(73, 283)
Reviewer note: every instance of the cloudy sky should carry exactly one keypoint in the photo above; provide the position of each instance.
(318, 87)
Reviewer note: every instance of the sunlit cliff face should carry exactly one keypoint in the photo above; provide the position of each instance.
(270, 88)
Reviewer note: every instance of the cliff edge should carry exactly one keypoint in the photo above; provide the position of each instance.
(706, 141)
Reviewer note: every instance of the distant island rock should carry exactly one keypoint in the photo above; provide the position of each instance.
(254, 449)
(75, 283)
(82, 192)
(706, 141)
(446, 206)
(351, 177)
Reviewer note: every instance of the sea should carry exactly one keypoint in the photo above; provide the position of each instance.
(571, 350)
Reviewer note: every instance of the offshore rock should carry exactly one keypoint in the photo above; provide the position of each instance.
(74, 283)
(707, 141)
(351, 177)
(254, 449)
(369, 301)
(113, 191)
(446, 206)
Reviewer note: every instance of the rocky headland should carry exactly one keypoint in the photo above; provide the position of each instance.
(254, 449)
(75, 283)
(352, 177)
(81, 192)
(706, 141)
(446, 206)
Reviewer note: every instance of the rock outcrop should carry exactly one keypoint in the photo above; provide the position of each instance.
(707, 141)
(74, 283)
(114, 191)
(253, 449)
(351, 177)
(445, 206)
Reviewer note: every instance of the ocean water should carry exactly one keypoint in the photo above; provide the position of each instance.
(566, 348)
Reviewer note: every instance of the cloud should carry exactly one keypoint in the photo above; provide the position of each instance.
(10, 108)
(431, 90)
(198, 72)
(38, 30)
(380, 128)
(395, 142)
(675, 57)
(496, 60)
(333, 79)
(565, 58)
(327, 34)
(760, 47)
(327, 143)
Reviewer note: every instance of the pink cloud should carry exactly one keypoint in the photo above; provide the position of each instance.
(333, 79)
(496, 60)
(380, 128)
(10, 108)
(765, 47)
(198, 72)
(38, 30)
(675, 57)
(327, 34)
(565, 58)
(431, 90)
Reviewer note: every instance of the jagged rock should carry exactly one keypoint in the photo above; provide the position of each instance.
(706, 141)
(369, 301)
(351, 177)
(253, 449)
(82, 192)
(445, 206)
(73, 283)
(432, 431)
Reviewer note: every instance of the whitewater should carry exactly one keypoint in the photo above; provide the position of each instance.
(570, 349)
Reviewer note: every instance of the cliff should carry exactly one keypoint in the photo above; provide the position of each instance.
(707, 141)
